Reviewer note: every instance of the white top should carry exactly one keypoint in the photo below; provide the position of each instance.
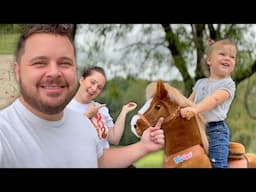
(205, 87)
(102, 121)
(27, 141)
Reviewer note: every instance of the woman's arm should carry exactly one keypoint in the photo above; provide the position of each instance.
(116, 132)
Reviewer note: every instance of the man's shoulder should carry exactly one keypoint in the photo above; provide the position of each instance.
(72, 112)
(75, 115)
(6, 111)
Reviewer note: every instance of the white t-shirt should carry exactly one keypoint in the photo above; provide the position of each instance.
(102, 121)
(205, 87)
(27, 141)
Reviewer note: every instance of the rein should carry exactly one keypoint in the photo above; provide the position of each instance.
(144, 119)
(170, 117)
(173, 115)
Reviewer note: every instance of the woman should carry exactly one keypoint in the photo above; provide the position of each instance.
(92, 82)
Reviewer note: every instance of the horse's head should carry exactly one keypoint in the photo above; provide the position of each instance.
(158, 105)
(182, 137)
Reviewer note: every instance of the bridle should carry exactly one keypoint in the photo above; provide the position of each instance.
(170, 117)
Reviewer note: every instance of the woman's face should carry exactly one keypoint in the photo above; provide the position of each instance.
(91, 86)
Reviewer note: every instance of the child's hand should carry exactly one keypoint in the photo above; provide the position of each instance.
(187, 112)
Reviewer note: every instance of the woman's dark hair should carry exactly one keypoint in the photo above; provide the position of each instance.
(88, 71)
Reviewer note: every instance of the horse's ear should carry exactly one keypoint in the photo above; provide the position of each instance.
(161, 91)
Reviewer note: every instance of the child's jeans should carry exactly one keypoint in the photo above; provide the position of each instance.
(218, 136)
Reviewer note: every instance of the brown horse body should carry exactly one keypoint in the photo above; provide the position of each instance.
(186, 144)
(185, 149)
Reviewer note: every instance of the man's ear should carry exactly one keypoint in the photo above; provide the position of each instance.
(16, 68)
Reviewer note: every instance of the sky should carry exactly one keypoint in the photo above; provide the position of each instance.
(113, 50)
(109, 56)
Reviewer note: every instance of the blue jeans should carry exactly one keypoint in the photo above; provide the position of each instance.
(218, 136)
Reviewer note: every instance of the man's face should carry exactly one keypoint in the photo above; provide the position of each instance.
(47, 73)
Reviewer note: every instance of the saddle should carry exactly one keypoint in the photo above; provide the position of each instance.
(237, 157)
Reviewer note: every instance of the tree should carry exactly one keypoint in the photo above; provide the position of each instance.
(11, 28)
(180, 47)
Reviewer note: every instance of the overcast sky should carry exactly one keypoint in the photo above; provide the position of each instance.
(113, 50)
(109, 57)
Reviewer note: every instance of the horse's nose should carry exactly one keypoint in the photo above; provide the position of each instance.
(134, 125)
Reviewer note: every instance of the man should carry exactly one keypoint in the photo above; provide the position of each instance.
(36, 130)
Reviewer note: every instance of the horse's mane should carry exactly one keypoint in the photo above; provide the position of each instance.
(177, 97)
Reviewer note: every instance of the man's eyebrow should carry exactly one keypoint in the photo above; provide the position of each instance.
(38, 57)
(68, 58)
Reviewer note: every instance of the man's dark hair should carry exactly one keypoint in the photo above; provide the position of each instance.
(30, 29)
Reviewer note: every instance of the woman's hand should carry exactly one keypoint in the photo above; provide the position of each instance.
(92, 110)
(129, 107)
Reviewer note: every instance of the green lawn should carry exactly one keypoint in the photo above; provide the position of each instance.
(8, 43)
(153, 160)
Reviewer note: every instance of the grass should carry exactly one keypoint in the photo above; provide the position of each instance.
(8, 43)
(153, 160)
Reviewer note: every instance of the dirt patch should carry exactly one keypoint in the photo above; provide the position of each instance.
(8, 85)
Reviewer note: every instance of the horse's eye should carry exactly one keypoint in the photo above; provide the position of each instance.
(157, 107)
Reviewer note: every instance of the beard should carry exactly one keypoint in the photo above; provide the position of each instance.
(39, 104)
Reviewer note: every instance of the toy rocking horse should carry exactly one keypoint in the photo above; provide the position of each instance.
(186, 143)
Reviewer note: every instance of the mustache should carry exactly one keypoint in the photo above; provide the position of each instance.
(53, 81)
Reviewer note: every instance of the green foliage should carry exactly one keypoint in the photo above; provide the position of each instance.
(242, 127)
(118, 92)
(9, 34)
(8, 28)
(8, 43)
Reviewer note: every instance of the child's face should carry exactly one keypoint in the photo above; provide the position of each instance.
(222, 60)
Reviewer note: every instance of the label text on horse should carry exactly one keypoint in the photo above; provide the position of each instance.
(183, 157)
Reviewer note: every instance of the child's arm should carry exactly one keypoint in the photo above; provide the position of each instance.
(192, 96)
(206, 104)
